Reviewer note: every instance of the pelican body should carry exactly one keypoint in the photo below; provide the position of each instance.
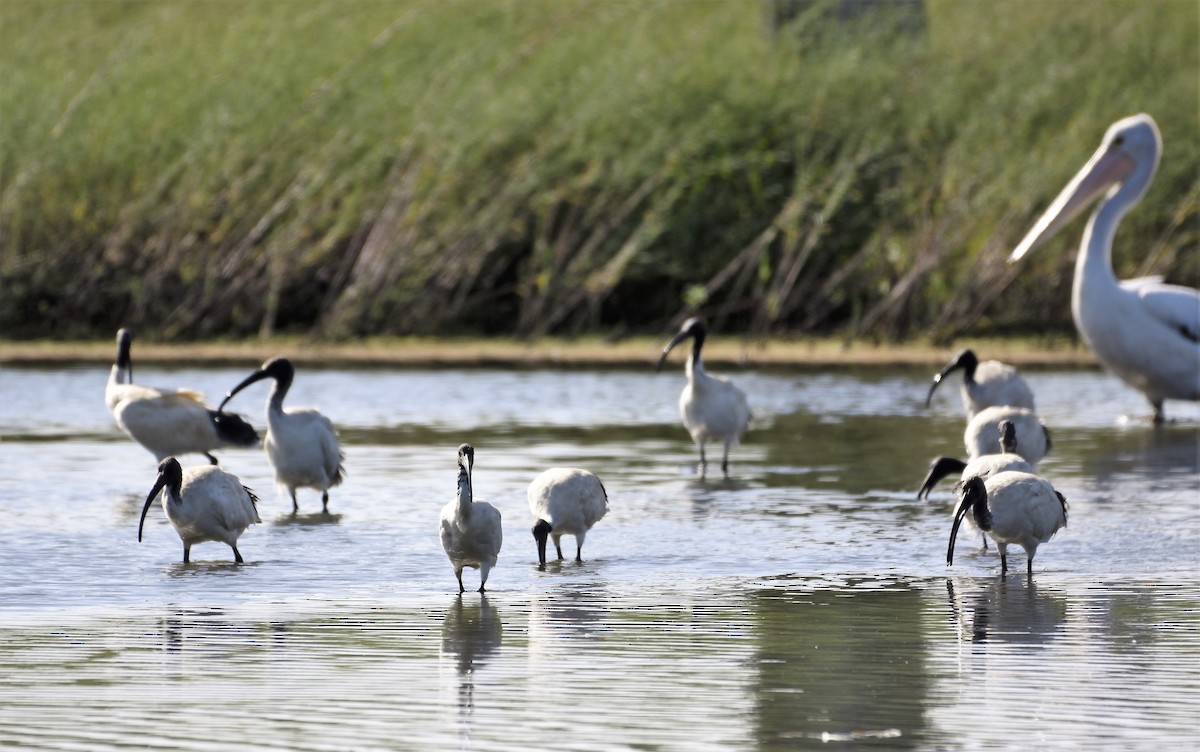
(982, 435)
(712, 408)
(985, 384)
(169, 422)
(565, 501)
(202, 503)
(470, 530)
(1144, 331)
(1014, 508)
(301, 444)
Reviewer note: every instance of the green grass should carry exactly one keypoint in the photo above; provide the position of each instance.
(358, 167)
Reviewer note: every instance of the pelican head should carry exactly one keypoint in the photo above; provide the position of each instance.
(280, 369)
(694, 328)
(1123, 165)
(170, 476)
(540, 532)
(965, 360)
(974, 499)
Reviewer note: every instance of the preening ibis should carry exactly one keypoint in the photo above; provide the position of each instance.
(1012, 507)
(1144, 331)
(203, 503)
(301, 444)
(984, 465)
(713, 409)
(470, 530)
(982, 435)
(985, 384)
(169, 422)
(565, 501)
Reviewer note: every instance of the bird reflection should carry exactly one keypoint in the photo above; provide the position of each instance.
(471, 633)
(1005, 609)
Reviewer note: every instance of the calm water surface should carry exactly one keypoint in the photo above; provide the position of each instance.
(804, 603)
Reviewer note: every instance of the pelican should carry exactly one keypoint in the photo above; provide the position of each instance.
(301, 443)
(712, 407)
(983, 466)
(1144, 331)
(565, 501)
(169, 422)
(203, 503)
(985, 384)
(470, 530)
(1012, 507)
(982, 435)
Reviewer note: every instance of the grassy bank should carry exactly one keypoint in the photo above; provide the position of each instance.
(532, 167)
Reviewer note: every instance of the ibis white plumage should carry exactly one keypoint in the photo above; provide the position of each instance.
(470, 529)
(983, 466)
(1013, 508)
(301, 444)
(985, 384)
(169, 422)
(565, 501)
(1144, 331)
(712, 408)
(202, 503)
(982, 435)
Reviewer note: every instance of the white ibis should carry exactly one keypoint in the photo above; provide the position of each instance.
(1144, 331)
(203, 503)
(1012, 507)
(169, 422)
(713, 409)
(983, 466)
(982, 435)
(301, 444)
(470, 530)
(565, 501)
(985, 384)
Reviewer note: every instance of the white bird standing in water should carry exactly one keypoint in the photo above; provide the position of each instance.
(203, 503)
(301, 443)
(565, 501)
(169, 422)
(982, 435)
(713, 409)
(1144, 331)
(470, 530)
(985, 384)
(1012, 507)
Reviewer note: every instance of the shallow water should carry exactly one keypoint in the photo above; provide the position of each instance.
(804, 602)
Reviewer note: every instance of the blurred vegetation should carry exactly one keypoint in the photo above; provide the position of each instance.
(355, 167)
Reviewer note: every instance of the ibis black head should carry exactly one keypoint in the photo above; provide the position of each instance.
(1008, 437)
(540, 532)
(939, 468)
(694, 328)
(280, 369)
(233, 429)
(974, 500)
(466, 454)
(965, 360)
(124, 342)
(170, 477)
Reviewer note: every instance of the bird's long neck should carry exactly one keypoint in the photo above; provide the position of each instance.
(1094, 264)
(695, 365)
(279, 390)
(465, 499)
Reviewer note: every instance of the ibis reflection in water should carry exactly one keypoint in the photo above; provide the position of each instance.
(985, 384)
(470, 530)
(301, 444)
(1144, 331)
(565, 501)
(203, 503)
(169, 422)
(713, 409)
(1013, 508)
